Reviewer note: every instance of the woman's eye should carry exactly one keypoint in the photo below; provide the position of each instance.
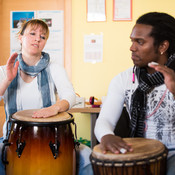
(32, 33)
(43, 37)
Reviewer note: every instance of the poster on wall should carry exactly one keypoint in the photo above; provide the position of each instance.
(122, 10)
(17, 18)
(55, 43)
(96, 10)
(55, 22)
(93, 48)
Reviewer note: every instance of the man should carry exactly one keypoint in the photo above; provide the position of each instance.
(147, 90)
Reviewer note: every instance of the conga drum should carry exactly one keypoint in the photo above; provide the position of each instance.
(148, 158)
(40, 146)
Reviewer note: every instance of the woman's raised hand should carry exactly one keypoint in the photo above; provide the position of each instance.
(12, 67)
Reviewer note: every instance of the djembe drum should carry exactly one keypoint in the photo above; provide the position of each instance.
(148, 158)
(40, 146)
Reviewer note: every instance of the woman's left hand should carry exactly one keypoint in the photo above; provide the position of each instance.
(46, 112)
(59, 106)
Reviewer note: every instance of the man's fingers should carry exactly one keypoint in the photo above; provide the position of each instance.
(103, 149)
(152, 64)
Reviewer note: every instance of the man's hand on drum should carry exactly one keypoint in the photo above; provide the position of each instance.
(115, 144)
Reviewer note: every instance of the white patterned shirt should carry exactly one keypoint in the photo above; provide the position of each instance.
(160, 117)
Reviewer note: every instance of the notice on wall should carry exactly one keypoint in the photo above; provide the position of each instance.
(17, 18)
(93, 48)
(55, 22)
(122, 10)
(96, 10)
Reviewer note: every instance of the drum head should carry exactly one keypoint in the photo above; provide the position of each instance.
(142, 149)
(25, 116)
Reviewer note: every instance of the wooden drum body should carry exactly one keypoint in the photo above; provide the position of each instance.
(40, 146)
(148, 158)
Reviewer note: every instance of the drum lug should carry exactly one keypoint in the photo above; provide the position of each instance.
(3, 156)
(20, 147)
(76, 142)
(54, 148)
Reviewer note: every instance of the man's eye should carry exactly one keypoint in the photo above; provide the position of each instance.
(140, 42)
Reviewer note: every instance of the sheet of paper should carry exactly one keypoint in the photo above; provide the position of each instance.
(93, 48)
(96, 10)
(16, 20)
(122, 9)
(55, 43)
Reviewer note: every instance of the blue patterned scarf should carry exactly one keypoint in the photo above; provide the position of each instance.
(40, 71)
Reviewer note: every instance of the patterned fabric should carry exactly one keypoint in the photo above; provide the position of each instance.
(159, 126)
(41, 72)
(139, 98)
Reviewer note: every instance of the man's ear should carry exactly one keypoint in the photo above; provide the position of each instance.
(163, 47)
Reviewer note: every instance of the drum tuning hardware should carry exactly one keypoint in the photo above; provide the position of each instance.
(20, 147)
(76, 142)
(3, 156)
(54, 148)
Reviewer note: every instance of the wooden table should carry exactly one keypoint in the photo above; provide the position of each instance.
(94, 112)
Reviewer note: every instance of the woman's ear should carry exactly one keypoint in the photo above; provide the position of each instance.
(163, 47)
(20, 38)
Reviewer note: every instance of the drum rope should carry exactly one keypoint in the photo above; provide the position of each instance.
(129, 163)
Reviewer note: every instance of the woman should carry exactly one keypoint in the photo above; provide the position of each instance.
(31, 80)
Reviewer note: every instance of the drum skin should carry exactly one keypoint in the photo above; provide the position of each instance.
(36, 157)
(148, 158)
